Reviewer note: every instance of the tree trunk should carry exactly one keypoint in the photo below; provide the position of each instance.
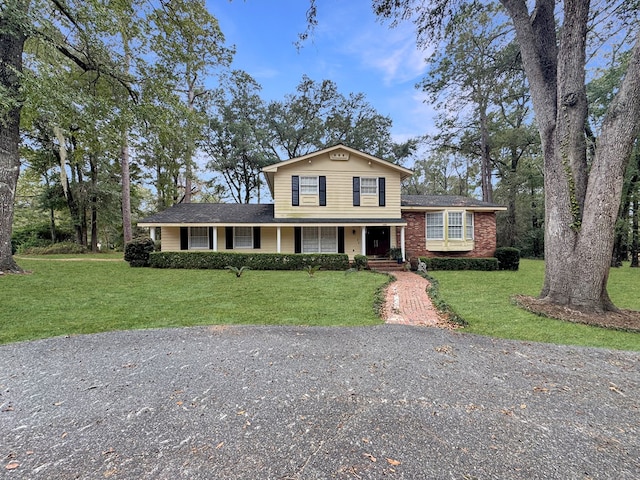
(124, 162)
(94, 202)
(12, 38)
(580, 213)
(634, 232)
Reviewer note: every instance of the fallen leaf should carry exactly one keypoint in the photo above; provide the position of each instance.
(371, 457)
(12, 465)
(241, 412)
(64, 434)
(107, 452)
(523, 406)
(365, 440)
(219, 446)
(179, 403)
(393, 462)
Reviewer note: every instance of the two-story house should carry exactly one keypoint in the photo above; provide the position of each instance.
(336, 200)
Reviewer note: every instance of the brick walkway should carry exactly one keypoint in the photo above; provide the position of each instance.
(407, 302)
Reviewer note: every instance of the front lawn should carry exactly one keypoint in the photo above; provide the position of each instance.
(484, 300)
(65, 296)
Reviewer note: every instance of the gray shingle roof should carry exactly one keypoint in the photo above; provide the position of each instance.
(444, 201)
(213, 213)
(226, 213)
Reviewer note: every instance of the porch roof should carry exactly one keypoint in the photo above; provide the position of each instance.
(230, 214)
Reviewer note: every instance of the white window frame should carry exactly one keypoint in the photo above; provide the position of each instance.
(309, 185)
(244, 238)
(326, 240)
(459, 227)
(434, 215)
(369, 189)
(469, 219)
(198, 246)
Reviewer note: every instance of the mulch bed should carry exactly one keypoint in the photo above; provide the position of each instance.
(626, 320)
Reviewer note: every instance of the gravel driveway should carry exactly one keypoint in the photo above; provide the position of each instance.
(310, 403)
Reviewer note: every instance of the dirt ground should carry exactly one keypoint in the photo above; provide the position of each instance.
(627, 320)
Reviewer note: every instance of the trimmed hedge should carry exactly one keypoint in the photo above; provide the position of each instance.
(508, 258)
(360, 262)
(254, 261)
(460, 263)
(137, 251)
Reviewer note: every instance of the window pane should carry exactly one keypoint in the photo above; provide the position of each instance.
(469, 226)
(199, 237)
(310, 240)
(308, 185)
(435, 226)
(369, 186)
(243, 237)
(328, 240)
(455, 225)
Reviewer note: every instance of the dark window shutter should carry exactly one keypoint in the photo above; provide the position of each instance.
(228, 237)
(295, 190)
(356, 191)
(297, 233)
(340, 239)
(184, 238)
(210, 238)
(322, 184)
(256, 237)
(381, 191)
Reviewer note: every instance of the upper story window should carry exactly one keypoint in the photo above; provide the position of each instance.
(308, 185)
(368, 186)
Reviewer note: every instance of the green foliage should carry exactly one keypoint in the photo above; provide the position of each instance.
(484, 301)
(255, 261)
(433, 290)
(360, 262)
(460, 263)
(395, 254)
(85, 296)
(508, 258)
(237, 271)
(55, 249)
(38, 235)
(137, 251)
(311, 269)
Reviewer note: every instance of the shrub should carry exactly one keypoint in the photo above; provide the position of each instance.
(24, 239)
(360, 262)
(460, 263)
(255, 261)
(68, 248)
(137, 251)
(508, 258)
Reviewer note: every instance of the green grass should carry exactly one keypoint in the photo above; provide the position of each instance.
(87, 296)
(483, 300)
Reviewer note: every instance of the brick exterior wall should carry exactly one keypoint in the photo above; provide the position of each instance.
(484, 232)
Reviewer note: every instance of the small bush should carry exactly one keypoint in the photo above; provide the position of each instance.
(360, 262)
(68, 248)
(460, 263)
(137, 251)
(508, 258)
(255, 261)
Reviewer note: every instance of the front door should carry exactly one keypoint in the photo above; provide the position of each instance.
(378, 241)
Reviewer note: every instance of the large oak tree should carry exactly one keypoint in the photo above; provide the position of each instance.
(582, 192)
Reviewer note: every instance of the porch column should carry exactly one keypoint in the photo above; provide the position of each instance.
(278, 239)
(364, 240)
(152, 233)
(215, 239)
(404, 255)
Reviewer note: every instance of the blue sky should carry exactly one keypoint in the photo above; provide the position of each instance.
(349, 46)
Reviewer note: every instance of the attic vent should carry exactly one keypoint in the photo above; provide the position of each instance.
(339, 156)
